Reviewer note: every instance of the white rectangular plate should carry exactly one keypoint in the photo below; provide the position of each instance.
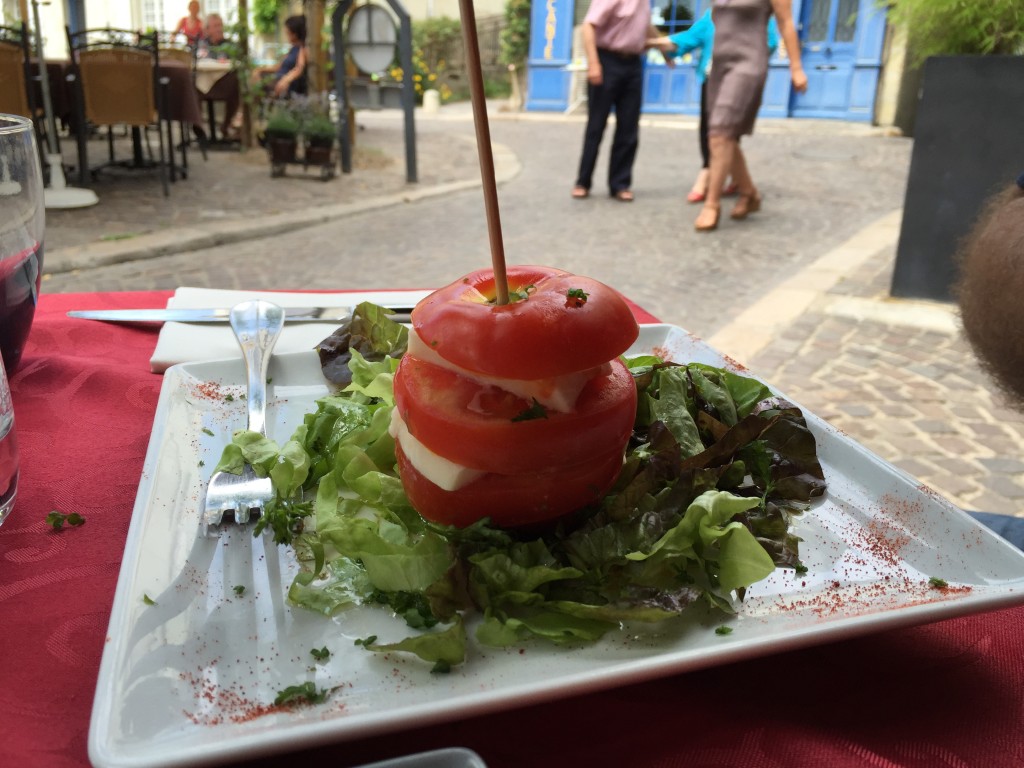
(191, 678)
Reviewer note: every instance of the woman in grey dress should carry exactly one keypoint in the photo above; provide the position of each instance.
(739, 69)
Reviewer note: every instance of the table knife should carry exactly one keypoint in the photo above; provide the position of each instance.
(220, 315)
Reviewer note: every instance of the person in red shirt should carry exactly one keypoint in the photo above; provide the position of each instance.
(191, 26)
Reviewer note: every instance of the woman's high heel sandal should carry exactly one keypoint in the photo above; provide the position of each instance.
(707, 220)
(746, 205)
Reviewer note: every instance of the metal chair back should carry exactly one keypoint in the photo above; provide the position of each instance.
(116, 72)
(117, 84)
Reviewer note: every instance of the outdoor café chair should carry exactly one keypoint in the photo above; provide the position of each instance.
(116, 82)
(16, 97)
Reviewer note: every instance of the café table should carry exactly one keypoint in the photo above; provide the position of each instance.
(209, 72)
(182, 101)
(216, 80)
(61, 98)
(946, 693)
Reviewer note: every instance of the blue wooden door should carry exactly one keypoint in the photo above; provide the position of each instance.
(841, 46)
(672, 89)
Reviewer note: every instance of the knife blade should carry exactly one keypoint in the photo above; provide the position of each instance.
(221, 315)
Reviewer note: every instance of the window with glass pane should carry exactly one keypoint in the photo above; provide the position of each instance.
(817, 23)
(676, 15)
(152, 14)
(846, 21)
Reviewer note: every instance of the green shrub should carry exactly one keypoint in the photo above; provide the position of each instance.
(957, 27)
(265, 14)
(436, 39)
(515, 36)
(282, 123)
(318, 126)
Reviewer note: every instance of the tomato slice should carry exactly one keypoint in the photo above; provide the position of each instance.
(549, 333)
(511, 501)
(476, 426)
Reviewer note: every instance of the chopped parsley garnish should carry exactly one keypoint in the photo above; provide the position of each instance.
(366, 640)
(57, 519)
(576, 297)
(414, 607)
(441, 667)
(937, 583)
(229, 398)
(202, 463)
(723, 630)
(207, 431)
(285, 519)
(535, 411)
(297, 694)
(522, 294)
(147, 599)
(320, 654)
(800, 568)
(239, 589)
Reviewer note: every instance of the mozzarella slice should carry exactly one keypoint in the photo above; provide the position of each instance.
(558, 393)
(440, 471)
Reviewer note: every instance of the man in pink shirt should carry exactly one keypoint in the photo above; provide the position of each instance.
(615, 34)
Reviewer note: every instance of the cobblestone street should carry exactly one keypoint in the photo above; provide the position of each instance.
(895, 375)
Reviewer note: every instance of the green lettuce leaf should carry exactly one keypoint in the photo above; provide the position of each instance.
(448, 646)
(715, 470)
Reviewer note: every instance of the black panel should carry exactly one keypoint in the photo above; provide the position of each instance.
(968, 143)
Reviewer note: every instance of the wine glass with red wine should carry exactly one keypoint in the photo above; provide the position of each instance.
(21, 234)
(21, 261)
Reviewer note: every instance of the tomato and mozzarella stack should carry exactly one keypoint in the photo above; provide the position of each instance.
(518, 412)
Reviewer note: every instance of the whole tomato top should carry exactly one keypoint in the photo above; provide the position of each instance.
(555, 323)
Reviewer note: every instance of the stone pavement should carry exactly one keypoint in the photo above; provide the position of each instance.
(798, 293)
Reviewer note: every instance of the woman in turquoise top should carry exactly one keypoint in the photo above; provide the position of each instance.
(701, 36)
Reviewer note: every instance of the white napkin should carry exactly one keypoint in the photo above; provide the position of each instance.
(185, 342)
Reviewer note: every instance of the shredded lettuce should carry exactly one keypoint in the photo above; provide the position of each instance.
(715, 470)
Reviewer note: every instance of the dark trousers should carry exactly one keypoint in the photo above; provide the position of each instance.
(705, 148)
(622, 89)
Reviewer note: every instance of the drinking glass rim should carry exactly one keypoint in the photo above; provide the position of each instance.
(13, 123)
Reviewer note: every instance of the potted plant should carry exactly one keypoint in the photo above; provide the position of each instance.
(281, 133)
(966, 129)
(318, 132)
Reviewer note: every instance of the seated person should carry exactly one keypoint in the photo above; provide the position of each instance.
(291, 74)
(989, 292)
(288, 77)
(216, 46)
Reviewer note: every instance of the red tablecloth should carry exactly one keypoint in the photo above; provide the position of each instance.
(950, 693)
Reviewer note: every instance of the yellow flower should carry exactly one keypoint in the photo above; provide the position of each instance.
(432, 78)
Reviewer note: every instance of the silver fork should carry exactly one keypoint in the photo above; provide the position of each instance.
(257, 326)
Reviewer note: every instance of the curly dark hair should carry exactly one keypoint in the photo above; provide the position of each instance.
(297, 26)
(990, 289)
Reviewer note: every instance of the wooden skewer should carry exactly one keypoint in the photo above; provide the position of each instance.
(483, 143)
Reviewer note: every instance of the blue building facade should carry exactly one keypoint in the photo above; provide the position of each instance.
(841, 44)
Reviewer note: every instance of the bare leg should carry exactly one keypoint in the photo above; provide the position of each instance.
(741, 173)
(700, 186)
(749, 200)
(723, 150)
